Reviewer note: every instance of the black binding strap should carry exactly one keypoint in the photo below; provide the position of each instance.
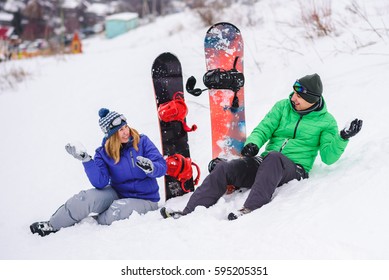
(219, 79)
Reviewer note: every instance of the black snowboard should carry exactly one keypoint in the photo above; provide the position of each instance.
(167, 79)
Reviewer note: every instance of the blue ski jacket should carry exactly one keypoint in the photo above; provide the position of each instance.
(125, 177)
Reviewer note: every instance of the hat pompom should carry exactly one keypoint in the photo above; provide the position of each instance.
(103, 112)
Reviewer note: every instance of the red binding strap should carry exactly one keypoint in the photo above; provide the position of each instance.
(180, 168)
(175, 110)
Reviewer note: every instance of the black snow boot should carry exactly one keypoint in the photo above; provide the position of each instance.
(168, 213)
(235, 215)
(42, 228)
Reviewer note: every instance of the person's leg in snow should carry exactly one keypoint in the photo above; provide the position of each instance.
(237, 172)
(262, 176)
(103, 202)
(123, 208)
(75, 209)
(82, 205)
(275, 170)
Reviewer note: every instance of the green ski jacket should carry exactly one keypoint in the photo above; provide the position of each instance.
(299, 136)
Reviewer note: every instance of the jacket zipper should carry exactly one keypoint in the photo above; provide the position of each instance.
(284, 144)
(294, 134)
(295, 129)
(132, 159)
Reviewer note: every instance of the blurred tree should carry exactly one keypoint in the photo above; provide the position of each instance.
(17, 23)
(35, 22)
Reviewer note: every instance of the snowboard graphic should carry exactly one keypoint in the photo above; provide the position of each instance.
(223, 47)
(224, 79)
(168, 88)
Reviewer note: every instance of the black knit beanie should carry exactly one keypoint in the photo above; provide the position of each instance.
(312, 83)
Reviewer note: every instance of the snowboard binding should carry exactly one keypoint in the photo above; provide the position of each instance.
(180, 168)
(175, 110)
(219, 79)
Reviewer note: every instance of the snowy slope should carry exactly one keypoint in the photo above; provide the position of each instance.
(339, 213)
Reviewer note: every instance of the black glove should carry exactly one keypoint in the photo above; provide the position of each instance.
(212, 164)
(250, 150)
(352, 130)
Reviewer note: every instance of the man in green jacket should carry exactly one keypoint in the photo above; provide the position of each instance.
(295, 130)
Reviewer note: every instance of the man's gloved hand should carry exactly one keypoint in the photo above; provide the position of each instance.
(250, 150)
(212, 164)
(78, 152)
(145, 164)
(352, 130)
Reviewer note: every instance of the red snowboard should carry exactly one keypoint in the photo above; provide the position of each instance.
(224, 50)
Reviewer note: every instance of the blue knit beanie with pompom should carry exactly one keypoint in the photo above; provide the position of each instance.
(110, 122)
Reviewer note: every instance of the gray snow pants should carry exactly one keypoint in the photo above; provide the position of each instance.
(262, 178)
(105, 202)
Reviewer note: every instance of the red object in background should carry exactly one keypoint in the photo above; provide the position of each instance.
(5, 32)
(76, 45)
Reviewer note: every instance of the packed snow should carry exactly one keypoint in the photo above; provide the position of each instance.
(339, 213)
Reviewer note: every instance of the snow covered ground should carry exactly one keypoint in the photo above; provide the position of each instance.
(340, 213)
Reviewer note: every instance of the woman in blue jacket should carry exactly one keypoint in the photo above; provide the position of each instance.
(123, 173)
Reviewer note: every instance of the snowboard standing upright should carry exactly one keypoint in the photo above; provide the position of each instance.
(223, 47)
(167, 81)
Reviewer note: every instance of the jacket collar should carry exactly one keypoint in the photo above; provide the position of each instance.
(317, 107)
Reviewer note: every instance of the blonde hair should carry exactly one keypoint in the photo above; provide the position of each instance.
(113, 144)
